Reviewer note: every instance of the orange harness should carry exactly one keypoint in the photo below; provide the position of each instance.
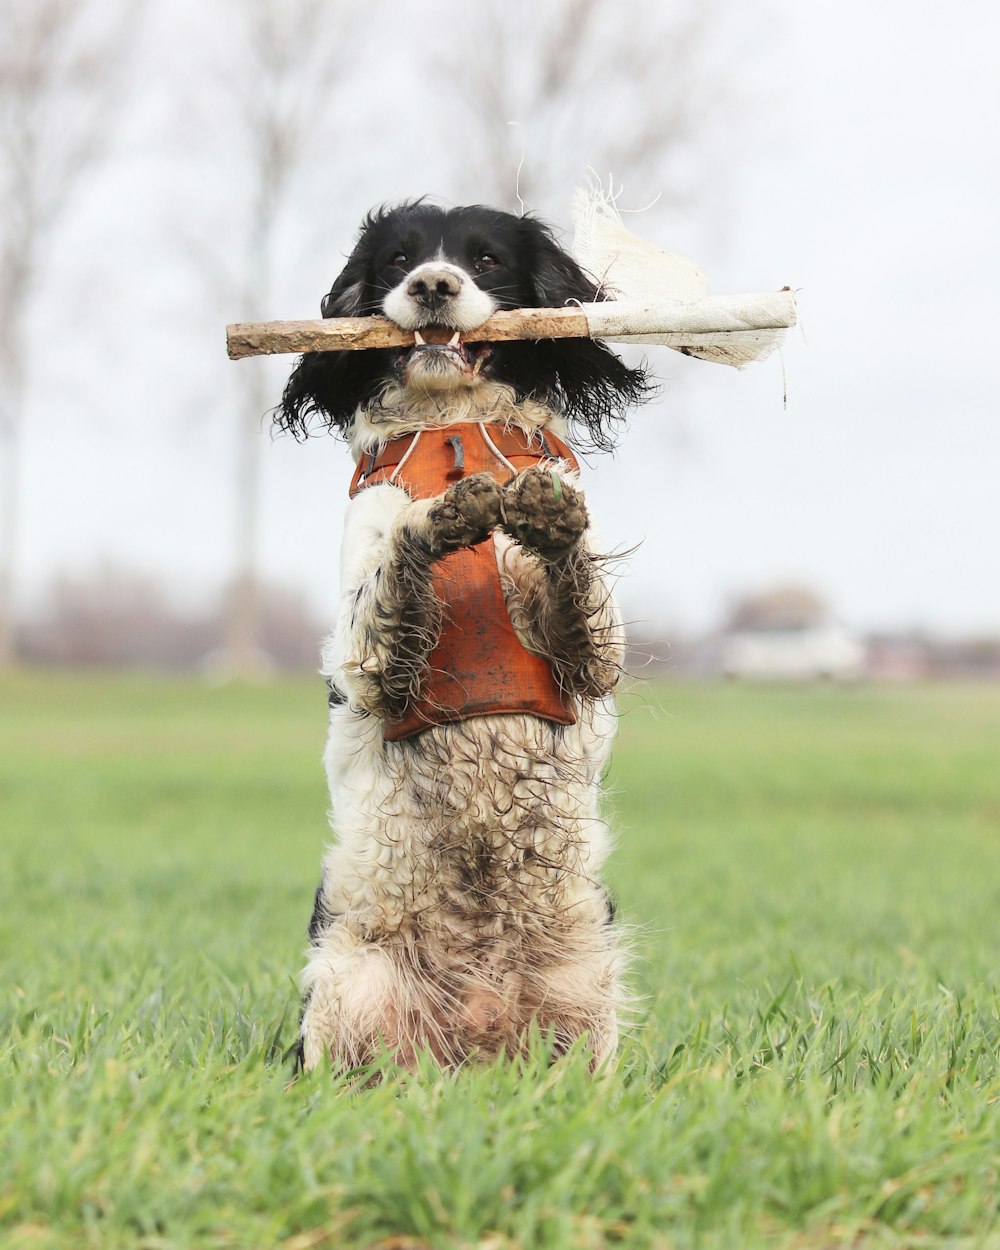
(479, 665)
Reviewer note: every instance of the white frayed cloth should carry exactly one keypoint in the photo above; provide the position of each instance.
(650, 289)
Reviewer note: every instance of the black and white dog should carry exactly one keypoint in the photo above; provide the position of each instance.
(460, 902)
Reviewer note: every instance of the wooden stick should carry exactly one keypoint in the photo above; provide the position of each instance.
(683, 326)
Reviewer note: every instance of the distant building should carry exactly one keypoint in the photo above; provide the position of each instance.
(789, 634)
(899, 658)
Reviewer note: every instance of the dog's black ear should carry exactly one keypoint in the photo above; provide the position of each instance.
(346, 297)
(557, 278)
(325, 388)
(585, 379)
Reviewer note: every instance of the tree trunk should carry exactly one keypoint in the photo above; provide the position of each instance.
(11, 430)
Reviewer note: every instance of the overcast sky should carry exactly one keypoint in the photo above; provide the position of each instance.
(868, 180)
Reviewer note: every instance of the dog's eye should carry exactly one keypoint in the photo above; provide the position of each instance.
(486, 261)
(399, 259)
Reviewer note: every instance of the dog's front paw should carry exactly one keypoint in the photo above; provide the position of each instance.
(543, 512)
(465, 514)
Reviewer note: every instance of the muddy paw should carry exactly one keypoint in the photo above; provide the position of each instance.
(543, 512)
(465, 514)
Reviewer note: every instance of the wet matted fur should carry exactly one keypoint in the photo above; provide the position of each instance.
(460, 900)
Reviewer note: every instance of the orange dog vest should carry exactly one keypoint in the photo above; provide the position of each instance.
(479, 665)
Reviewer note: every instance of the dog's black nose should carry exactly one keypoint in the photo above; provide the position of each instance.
(431, 287)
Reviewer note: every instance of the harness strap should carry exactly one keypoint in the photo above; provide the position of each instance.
(511, 442)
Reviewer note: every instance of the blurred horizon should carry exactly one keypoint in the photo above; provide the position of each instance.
(789, 634)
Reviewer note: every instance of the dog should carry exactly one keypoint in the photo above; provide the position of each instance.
(472, 666)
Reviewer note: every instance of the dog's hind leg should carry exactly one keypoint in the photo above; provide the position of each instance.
(354, 1000)
(364, 998)
(582, 996)
(560, 603)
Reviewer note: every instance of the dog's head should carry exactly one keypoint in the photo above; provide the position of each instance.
(440, 272)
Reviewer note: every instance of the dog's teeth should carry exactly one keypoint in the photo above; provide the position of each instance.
(455, 339)
(420, 340)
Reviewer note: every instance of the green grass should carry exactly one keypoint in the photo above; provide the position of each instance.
(812, 880)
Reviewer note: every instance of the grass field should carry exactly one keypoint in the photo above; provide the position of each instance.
(813, 880)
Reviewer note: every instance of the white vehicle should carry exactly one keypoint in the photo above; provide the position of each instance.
(803, 653)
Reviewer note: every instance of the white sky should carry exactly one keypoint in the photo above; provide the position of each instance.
(870, 183)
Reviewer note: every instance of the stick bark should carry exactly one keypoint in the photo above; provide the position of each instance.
(706, 322)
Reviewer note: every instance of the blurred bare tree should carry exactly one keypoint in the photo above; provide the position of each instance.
(60, 89)
(551, 90)
(277, 81)
(123, 618)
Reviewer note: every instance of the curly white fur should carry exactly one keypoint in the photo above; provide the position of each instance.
(460, 900)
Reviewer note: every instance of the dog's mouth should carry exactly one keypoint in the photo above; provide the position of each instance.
(437, 347)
